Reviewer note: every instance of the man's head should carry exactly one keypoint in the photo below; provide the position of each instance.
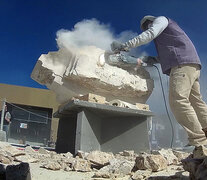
(146, 20)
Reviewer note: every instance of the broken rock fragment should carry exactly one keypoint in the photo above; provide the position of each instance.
(82, 154)
(43, 158)
(67, 155)
(151, 162)
(43, 151)
(10, 150)
(168, 155)
(81, 165)
(29, 149)
(5, 159)
(25, 158)
(65, 167)
(102, 175)
(118, 166)
(52, 166)
(141, 174)
(99, 158)
(128, 153)
(180, 155)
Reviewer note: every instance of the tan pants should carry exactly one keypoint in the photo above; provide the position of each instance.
(186, 102)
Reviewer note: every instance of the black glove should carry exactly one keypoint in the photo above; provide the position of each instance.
(149, 60)
(116, 47)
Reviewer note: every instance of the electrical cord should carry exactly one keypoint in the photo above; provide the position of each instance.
(165, 102)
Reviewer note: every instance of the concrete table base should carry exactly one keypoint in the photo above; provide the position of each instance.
(89, 126)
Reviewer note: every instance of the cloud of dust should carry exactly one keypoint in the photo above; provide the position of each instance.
(91, 32)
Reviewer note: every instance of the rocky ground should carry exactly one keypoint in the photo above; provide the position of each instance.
(96, 165)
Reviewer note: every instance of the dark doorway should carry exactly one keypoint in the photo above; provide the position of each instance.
(30, 125)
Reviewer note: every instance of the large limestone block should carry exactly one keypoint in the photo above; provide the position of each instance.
(75, 71)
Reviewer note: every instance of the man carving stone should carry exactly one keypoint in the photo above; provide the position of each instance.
(7, 121)
(179, 60)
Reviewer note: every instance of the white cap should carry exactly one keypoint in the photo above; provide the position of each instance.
(148, 17)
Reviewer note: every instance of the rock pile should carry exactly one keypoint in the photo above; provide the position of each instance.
(102, 164)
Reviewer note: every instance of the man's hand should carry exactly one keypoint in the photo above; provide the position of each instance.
(8, 120)
(139, 62)
(116, 47)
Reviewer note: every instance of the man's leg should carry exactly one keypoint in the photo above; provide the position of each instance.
(182, 80)
(199, 105)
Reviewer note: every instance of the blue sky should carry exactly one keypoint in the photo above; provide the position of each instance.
(28, 27)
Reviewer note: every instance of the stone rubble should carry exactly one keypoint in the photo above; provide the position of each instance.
(10, 150)
(106, 165)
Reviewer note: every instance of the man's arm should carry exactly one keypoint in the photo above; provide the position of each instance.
(156, 28)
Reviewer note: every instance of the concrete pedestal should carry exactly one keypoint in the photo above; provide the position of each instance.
(89, 126)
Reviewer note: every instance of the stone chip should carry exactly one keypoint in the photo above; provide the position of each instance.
(52, 166)
(118, 166)
(151, 162)
(168, 155)
(81, 165)
(25, 158)
(99, 158)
